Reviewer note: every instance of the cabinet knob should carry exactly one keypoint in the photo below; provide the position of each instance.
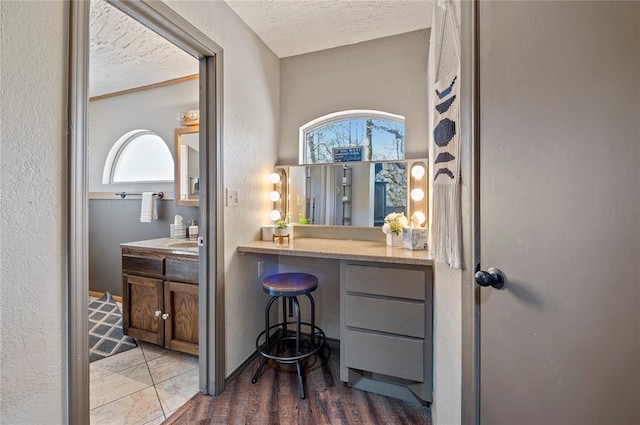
(165, 316)
(157, 313)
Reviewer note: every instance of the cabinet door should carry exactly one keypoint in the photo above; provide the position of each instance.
(142, 299)
(181, 324)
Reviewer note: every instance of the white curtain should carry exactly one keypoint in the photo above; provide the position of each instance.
(323, 194)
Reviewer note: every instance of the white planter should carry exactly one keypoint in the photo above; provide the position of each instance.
(280, 232)
(394, 240)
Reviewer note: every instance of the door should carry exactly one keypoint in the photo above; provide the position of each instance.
(559, 148)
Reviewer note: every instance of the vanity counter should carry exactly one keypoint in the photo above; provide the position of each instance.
(167, 245)
(339, 249)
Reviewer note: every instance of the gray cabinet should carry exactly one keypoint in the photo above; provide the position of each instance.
(386, 329)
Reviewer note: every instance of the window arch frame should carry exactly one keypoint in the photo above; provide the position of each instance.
(340, 116)
(117, 150)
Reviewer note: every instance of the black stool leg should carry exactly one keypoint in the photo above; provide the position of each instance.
(313, 328)
(262, 361)
(299, 361)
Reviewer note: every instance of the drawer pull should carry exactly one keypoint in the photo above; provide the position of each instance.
(158, 313)
(165, 316)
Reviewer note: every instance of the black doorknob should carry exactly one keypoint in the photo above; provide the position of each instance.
(492, 277)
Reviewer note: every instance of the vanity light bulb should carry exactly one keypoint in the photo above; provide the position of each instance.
(274, 215)
(420, 216)
(417, 194)
(193, 115)
(181, 117)
(274, 196)
(274, 178)
(417, 171)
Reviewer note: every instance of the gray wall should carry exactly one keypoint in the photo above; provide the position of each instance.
(387, 74)
(112, 222)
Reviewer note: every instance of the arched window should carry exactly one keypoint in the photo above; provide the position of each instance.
(352, 135)
(138, 156)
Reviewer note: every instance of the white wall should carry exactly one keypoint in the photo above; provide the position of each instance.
(153, 109)
(33, 124)
(387, 74)
(447, 296)
(251, 99)
(33, 192)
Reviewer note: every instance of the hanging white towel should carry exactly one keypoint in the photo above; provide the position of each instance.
(148, 211)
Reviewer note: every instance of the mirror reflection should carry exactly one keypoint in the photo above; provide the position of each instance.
(350, 194)
(187, 175)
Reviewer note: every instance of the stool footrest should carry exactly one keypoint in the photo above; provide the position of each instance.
(304, 339)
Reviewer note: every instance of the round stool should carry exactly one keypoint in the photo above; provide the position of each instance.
(288, 286)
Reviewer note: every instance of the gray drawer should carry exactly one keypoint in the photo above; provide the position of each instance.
(393, 316)
(389, 355)
(386, 281)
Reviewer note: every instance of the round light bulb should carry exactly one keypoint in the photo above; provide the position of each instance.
(181, 117)
(417, 194)
(274, 196)
(274, 215)
(420, 216)
(193, 115)
(274, 178)
(417, 171)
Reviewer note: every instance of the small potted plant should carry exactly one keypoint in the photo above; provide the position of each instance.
(281, 228)
(302, 219)
(392, 227)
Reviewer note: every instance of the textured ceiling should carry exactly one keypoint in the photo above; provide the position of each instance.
(124, 54)
(294, 27)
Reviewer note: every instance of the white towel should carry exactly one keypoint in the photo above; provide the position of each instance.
(148, 211)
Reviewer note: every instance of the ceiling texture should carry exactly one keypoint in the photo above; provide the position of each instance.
(124, 54)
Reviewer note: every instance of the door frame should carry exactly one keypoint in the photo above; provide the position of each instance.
(470, 198)
(167, 23)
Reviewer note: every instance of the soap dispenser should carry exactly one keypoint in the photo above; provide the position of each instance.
(193, 231)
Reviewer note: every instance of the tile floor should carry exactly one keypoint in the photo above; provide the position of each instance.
(144, 385)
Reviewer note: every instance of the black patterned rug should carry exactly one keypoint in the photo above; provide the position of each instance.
(105, 329)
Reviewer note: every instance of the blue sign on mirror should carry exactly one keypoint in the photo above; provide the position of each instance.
(353, 153)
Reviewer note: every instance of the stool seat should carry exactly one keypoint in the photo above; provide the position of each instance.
(289, 284)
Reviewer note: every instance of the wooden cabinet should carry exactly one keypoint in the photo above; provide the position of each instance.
(386, 329)
(160, 298)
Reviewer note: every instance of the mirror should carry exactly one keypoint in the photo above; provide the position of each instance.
(187, 175)
(350, 194)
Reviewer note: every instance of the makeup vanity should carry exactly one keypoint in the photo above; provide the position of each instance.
(385, 313)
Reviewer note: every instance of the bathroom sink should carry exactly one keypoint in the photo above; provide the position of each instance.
(183, 244)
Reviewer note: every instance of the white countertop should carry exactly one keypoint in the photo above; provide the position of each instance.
(340, 250)
(174, 246)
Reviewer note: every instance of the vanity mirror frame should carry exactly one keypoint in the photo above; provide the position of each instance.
(412, 182)
(178, 133)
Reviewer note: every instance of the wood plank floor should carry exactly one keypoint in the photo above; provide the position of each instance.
(274, 400)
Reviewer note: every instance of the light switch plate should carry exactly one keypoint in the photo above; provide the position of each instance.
(233, 197)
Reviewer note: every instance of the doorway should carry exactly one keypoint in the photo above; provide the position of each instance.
(168, 24)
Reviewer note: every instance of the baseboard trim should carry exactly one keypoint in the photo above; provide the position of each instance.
(97, 294)
(244, 365)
